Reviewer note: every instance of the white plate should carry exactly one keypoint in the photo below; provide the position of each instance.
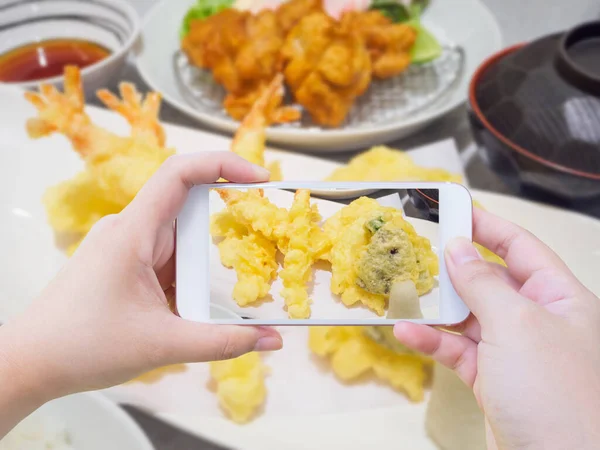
(349, 416)
(91, 422)
(466, 23)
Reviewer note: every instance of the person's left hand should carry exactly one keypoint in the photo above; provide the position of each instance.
(105, 318)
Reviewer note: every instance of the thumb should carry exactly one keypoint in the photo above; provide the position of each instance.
(187, 341)
(488, 295)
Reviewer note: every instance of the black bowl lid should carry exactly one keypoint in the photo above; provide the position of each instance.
(543, 100)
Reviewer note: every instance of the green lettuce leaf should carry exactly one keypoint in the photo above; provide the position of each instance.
(201, 10)
(426, 47)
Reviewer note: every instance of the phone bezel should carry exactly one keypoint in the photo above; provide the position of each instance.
(193, 253)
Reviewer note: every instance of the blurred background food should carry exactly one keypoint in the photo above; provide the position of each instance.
(328, 61)
(355, 356)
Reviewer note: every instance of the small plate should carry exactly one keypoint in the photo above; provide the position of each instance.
(90, 421)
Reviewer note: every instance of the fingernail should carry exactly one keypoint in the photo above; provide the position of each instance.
(267, 344)
(261, 172)
(462, 251)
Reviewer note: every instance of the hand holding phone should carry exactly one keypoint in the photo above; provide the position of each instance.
(320, 253)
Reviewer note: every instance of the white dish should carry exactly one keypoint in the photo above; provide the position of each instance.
(90, 421)
(113, 24)
(342, 416)
(474, 29)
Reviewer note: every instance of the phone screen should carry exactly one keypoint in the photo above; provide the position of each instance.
(331, 255)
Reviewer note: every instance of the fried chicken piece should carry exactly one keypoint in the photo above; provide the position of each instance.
(327, 68)
(253, 258)
(213, 44)
(388, 43)
(242, 52)
(116, 167)
(258, 58)
(327, 63)
(291, 12)
(303, 47)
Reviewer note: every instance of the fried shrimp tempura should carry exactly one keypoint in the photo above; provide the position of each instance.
(256, 212)
(388, 43)
(253, 259)
(116, 167)
(64, 113)
(295, 233)
(249, 140)
(143, 117)
(252, 256)
(305, 242)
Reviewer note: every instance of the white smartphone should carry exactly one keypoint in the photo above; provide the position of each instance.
(304, 253)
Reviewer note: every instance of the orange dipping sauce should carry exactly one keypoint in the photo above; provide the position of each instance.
(47, 59)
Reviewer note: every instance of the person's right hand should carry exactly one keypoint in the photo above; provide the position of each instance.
(531, 347)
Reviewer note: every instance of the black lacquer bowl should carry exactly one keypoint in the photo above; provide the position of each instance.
(535, 113)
